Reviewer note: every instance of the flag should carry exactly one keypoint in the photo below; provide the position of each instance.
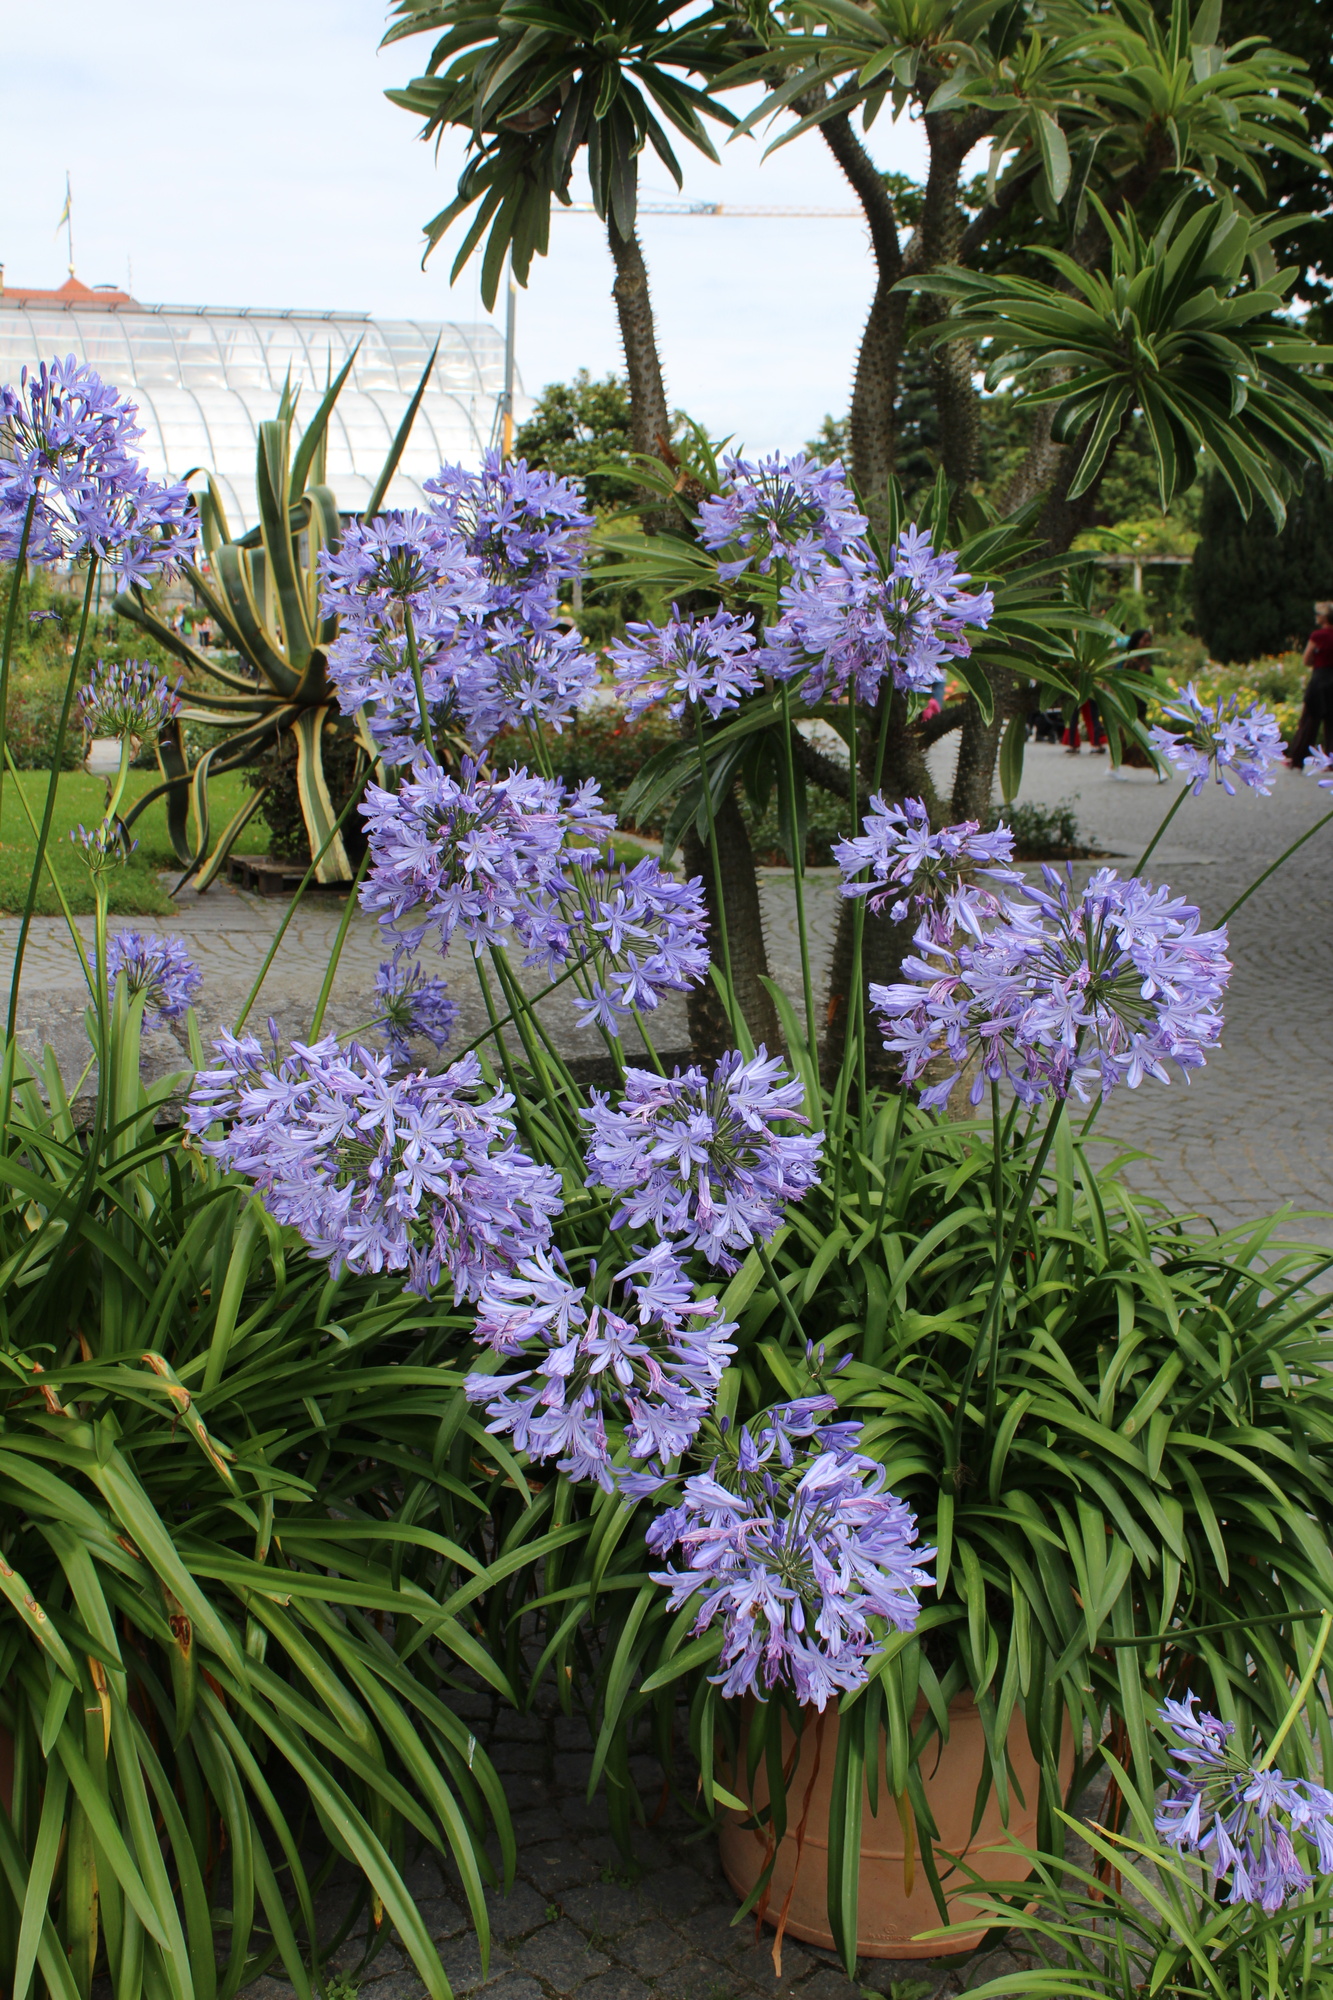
(64, 213)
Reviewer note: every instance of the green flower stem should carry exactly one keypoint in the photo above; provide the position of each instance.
(1259, 880)
(712, 849)
(295, 903)
(1170, 813)
(506, 1020)
(798, 876)
(344, 926)
(48, 815)
(647, 1041)
(414, 664)
(11, 623)
(506, 1060)
(788, 1308)
(983, 1342)
(117, 792)
(103, 1001)
(524, 1017)
(890, 1165)
(1297, 1702)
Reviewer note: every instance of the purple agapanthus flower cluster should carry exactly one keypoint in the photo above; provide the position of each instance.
(470, 853)
(477, 577)
(928, 874)
(107, 845)
(698, 1158)
(417, 1173)
(791, 511)
(528, 528)
(711, 661)
(1063, 993)
(126, 698)
(637, 932)
(854, 626)
(649, 1365)
(512, 671)
(796, 1551)
(1224, 741)
(68, 471)
(1244, 1820)
(411, 1005)
(1321, 762)
(387, 573)
(159, 968)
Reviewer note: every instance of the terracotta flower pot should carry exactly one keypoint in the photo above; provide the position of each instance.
(895, 1905)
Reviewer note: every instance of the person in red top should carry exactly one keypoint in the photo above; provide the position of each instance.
(1317, 710)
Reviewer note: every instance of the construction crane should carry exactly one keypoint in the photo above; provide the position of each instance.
(724, 209)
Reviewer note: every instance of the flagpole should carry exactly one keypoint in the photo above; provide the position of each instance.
(68, 219)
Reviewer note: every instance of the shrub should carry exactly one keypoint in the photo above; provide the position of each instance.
(1044, 833)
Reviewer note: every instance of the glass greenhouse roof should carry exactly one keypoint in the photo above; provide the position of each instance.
(204, 377)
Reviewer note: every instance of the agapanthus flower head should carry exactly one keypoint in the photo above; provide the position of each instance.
(1320, 762)
(1243, 1819)
(711, 661)
(647, 1366)
(637, 931)
(853, 628)
(383, 574)
(68, 471)
(1064, 993)
(411, 1005)
(105, 846)
(159, 968)
(127, 698)
(528, 528)
(517, 671)
(470, 853)
(791, 511)
(699, 1158)
(379, 1172)
(1224, 740)
(928, 874)
(383, 567)
(796, 1551)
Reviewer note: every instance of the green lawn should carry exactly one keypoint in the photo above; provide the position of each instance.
(135, 888)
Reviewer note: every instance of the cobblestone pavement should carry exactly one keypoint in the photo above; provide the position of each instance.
(583, 1921)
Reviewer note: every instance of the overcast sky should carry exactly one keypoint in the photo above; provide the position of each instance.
(245, 155)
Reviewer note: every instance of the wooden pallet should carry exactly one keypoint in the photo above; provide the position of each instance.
(264, 876)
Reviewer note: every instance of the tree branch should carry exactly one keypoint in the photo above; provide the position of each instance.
(952, 716)
(821, 769)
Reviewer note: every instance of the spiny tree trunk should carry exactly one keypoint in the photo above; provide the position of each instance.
(650, 431)
(710, 1031)
(649, 419)
(872, 424)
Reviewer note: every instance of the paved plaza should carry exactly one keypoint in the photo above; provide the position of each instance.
(1251, 1133)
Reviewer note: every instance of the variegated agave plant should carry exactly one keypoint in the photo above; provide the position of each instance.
(261, 591)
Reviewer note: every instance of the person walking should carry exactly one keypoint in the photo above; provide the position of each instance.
(1317, 709)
